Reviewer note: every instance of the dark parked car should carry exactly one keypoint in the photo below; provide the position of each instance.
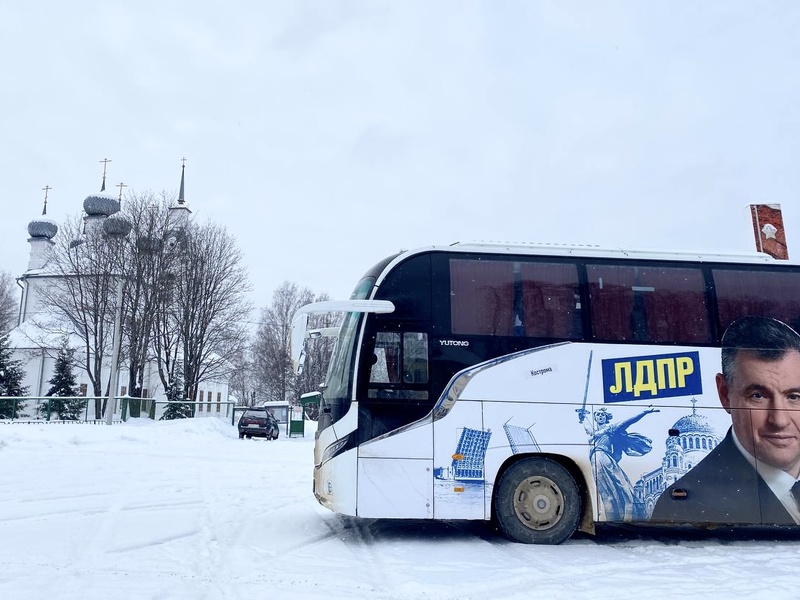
(258, 422)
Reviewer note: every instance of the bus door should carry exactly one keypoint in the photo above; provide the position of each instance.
(395, 471)
(394, 381)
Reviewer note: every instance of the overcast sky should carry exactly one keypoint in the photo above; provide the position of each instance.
(326, 135)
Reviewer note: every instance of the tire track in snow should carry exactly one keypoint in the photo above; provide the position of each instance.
(384, 577)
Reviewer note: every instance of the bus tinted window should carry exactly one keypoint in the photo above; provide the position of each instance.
(481, 297)
(398, 359)
(512, 298)
(648, 304)
(415, 357)
(390, 354)
(767, 293)
(386, 362)
(551, 295)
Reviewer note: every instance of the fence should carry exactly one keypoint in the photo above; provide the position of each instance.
(91, 409)
(219, 409)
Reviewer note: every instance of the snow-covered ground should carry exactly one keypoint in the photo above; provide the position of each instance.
(185, 509)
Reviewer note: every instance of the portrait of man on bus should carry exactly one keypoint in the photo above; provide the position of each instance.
(751, 477)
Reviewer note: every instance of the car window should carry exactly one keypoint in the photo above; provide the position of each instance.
(253, 414)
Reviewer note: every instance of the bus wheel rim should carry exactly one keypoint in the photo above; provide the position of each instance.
(538, 503)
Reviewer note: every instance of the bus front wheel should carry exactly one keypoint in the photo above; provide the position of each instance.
(537, 502)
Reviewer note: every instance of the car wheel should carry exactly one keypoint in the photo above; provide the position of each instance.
(241, 436)
(537, 502)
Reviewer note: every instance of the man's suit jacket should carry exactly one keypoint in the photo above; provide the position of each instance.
(722, 488)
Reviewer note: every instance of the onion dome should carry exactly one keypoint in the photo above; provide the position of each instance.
(100, 205)
(694, 423)
(117, 226)
(42, 228)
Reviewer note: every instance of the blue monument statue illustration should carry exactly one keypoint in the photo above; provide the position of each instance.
(608, 442)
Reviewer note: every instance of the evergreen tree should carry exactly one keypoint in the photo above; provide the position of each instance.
(11, 376)
(176, 409)
(64, 388)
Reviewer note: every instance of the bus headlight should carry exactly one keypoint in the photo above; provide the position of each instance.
(333, 449)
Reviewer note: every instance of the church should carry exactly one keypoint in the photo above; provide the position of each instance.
(37, 346)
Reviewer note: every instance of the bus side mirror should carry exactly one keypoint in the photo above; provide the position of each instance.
(297, 340)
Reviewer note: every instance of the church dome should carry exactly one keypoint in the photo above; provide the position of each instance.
(100, 205)
(694, 424)
(42, 228)
(116, 226)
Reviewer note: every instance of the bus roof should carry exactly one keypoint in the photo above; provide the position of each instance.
(592, 251)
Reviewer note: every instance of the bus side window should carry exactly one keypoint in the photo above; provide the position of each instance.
(641, 303)
(535, 299)
(551, 300)
(415, 358)
(400, 359)
(757, 292)
(386, 361)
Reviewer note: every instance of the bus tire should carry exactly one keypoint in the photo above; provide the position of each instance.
(537, 502)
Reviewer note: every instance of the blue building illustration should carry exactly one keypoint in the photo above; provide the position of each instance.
(469, 457)
(695, 437)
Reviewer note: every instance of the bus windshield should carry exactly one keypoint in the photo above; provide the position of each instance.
(336, 395)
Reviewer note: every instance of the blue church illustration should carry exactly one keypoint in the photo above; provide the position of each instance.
(694, 438)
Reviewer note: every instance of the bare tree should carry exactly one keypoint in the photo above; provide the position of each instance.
(88, 266)
(146, 258)
(166, 337)
(242, 382)
(275, 377)
(201, 322)
(8, 302)
(318, 351)
(271, 347)
(84, 293)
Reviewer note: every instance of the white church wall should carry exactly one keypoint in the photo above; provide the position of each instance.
(38, 365)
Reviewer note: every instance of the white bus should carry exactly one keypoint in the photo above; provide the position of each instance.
(546, 387)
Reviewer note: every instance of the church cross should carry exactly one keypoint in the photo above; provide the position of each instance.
(105, 162)
(46, 189)
(121, 185)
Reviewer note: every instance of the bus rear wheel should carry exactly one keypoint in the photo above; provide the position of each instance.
(537, 502)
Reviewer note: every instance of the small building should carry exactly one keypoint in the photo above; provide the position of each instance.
(279, 409)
